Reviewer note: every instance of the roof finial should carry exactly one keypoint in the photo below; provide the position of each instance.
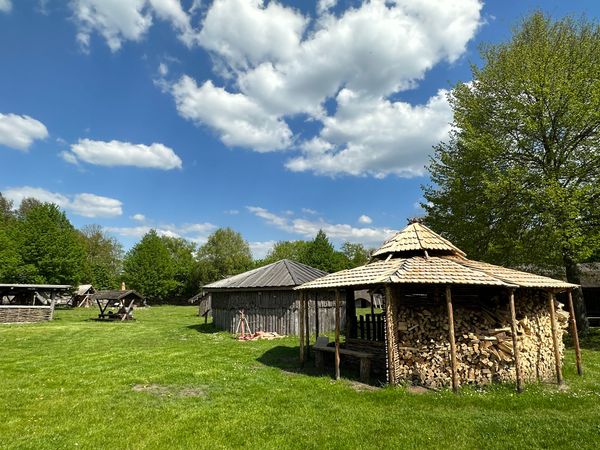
(412, 220)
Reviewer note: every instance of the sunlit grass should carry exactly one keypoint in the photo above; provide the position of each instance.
(166, 380)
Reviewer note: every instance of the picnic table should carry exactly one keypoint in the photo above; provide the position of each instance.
(117, 305)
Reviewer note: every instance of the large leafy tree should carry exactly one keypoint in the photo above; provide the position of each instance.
(50, 248)
(182, 253)
(322, 255)
(519, 181)
(149, 268)
(224, 254)
(356, 254)
(103, 258)
(294, 250)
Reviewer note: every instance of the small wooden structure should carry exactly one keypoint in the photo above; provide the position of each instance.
(83, 296)
(590, 285)
(448, 320)
(117, 305)
(203, 300)
(25, 303)
(267, 297)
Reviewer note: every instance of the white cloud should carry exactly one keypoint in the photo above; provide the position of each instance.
(19, 132)
(163, 69)
(260, 249)
(232, 212)
(238, 120)
(117, 153)
(5, 6)
(282, 64)
(128, 20)
(139, 217)
(365, 219)
(309, 228)
(84, 204)
(309, 211)
(195, 232)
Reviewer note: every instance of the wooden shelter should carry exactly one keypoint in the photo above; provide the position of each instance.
(117, 305)
(448, 320)
(24, 303)
(83, 296)
(267, 297)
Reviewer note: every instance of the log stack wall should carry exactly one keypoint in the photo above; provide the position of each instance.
(25, 314)
(269, 310)
(483, 339)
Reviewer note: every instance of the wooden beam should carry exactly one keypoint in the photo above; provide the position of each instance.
(301, 327)
(513, 332)
(552, 306)
(317, 313)
(306, 327)
(574, 333)
(452, 341)
(350, 313)
(389, 330)
(337, 334)
(52, 304)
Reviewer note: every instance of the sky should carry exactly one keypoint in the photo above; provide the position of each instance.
(274, 118)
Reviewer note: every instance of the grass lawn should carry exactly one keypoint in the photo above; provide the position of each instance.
(166, 381)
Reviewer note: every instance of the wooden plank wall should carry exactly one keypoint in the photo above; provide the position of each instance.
(270, 311)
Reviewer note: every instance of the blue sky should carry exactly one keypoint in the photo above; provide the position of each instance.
(273, 118)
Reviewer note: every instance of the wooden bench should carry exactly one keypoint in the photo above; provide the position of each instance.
(321, 346)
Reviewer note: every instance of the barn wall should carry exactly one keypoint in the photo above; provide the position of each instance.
(269, 310)
(25, 314)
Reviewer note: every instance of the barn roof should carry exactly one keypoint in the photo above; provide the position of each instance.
(280, 274)
(115, 295)
(448, 266)
(416, 237)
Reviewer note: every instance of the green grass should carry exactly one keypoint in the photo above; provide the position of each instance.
(70, 384)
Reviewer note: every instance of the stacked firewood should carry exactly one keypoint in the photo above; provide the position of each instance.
(483, 343)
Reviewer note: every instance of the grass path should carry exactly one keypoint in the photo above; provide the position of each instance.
(165, 381)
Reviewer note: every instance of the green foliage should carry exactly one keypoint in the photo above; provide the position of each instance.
(519, 181)
(48, 242)
(181, 253)
(225, 253)
(293, 250)
(356, 254)
(103, 258)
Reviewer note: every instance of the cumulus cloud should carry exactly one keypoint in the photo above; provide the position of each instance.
(195, 232)
(260, 249)
(139, 217)
(336, 231)
(84, 204)
(117, 153)
(5, 6)
(19, 132)
(365, 219)
(128, 20)
(283, 64)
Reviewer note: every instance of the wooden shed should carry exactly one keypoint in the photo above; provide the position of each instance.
(267, 297)
(24, 303)
(448, 320)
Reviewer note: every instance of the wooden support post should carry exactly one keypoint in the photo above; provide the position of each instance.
(306, 327)
(337, 334)
(317, 313)
(301, 327)
(52, 304)
(452, 341)
(557, 362)
(513, 330)
(350, 313)
(575, 335)
(388, 333)
(372, 304)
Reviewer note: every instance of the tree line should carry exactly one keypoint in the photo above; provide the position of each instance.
(39, 245)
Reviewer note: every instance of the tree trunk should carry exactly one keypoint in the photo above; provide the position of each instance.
(573, 276)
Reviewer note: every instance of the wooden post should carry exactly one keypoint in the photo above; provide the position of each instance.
(372, 305)
(574, 332)
(513, 329)
(52, 304)
(306, 327)
(350, 313)
(337, 334)
(317, 313)
(388, 333)
(452, 341)
(301, 327)
(552, 306)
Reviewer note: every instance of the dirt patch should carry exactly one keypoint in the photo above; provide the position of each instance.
(417, 390)
(161, 390)
(362, 387)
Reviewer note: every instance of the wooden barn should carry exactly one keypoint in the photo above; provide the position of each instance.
(267, 297)
(25, 303)
(446, 320)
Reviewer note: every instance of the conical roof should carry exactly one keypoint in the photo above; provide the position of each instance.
(415, 237)
(280, 274)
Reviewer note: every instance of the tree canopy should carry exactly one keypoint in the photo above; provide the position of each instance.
(518, 182)
(103, 258)
(224, 254)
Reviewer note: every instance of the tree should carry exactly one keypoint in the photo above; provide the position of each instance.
(518, 183)
(103, 258)
(182, 253)
(149, 268)
(225, 253)
(49, 243)
(356, 254)
(322, 255)
(294, 250)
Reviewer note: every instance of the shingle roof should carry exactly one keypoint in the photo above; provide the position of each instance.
(284, 273)
(414, 237)
(115, 295)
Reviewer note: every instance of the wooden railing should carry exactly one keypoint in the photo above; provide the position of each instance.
(369, 327)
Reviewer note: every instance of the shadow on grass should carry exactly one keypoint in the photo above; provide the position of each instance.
(206, 328)
(288, 360)
(591, 340)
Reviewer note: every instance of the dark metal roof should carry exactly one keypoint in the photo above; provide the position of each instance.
(280, 274)
(115, 295)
